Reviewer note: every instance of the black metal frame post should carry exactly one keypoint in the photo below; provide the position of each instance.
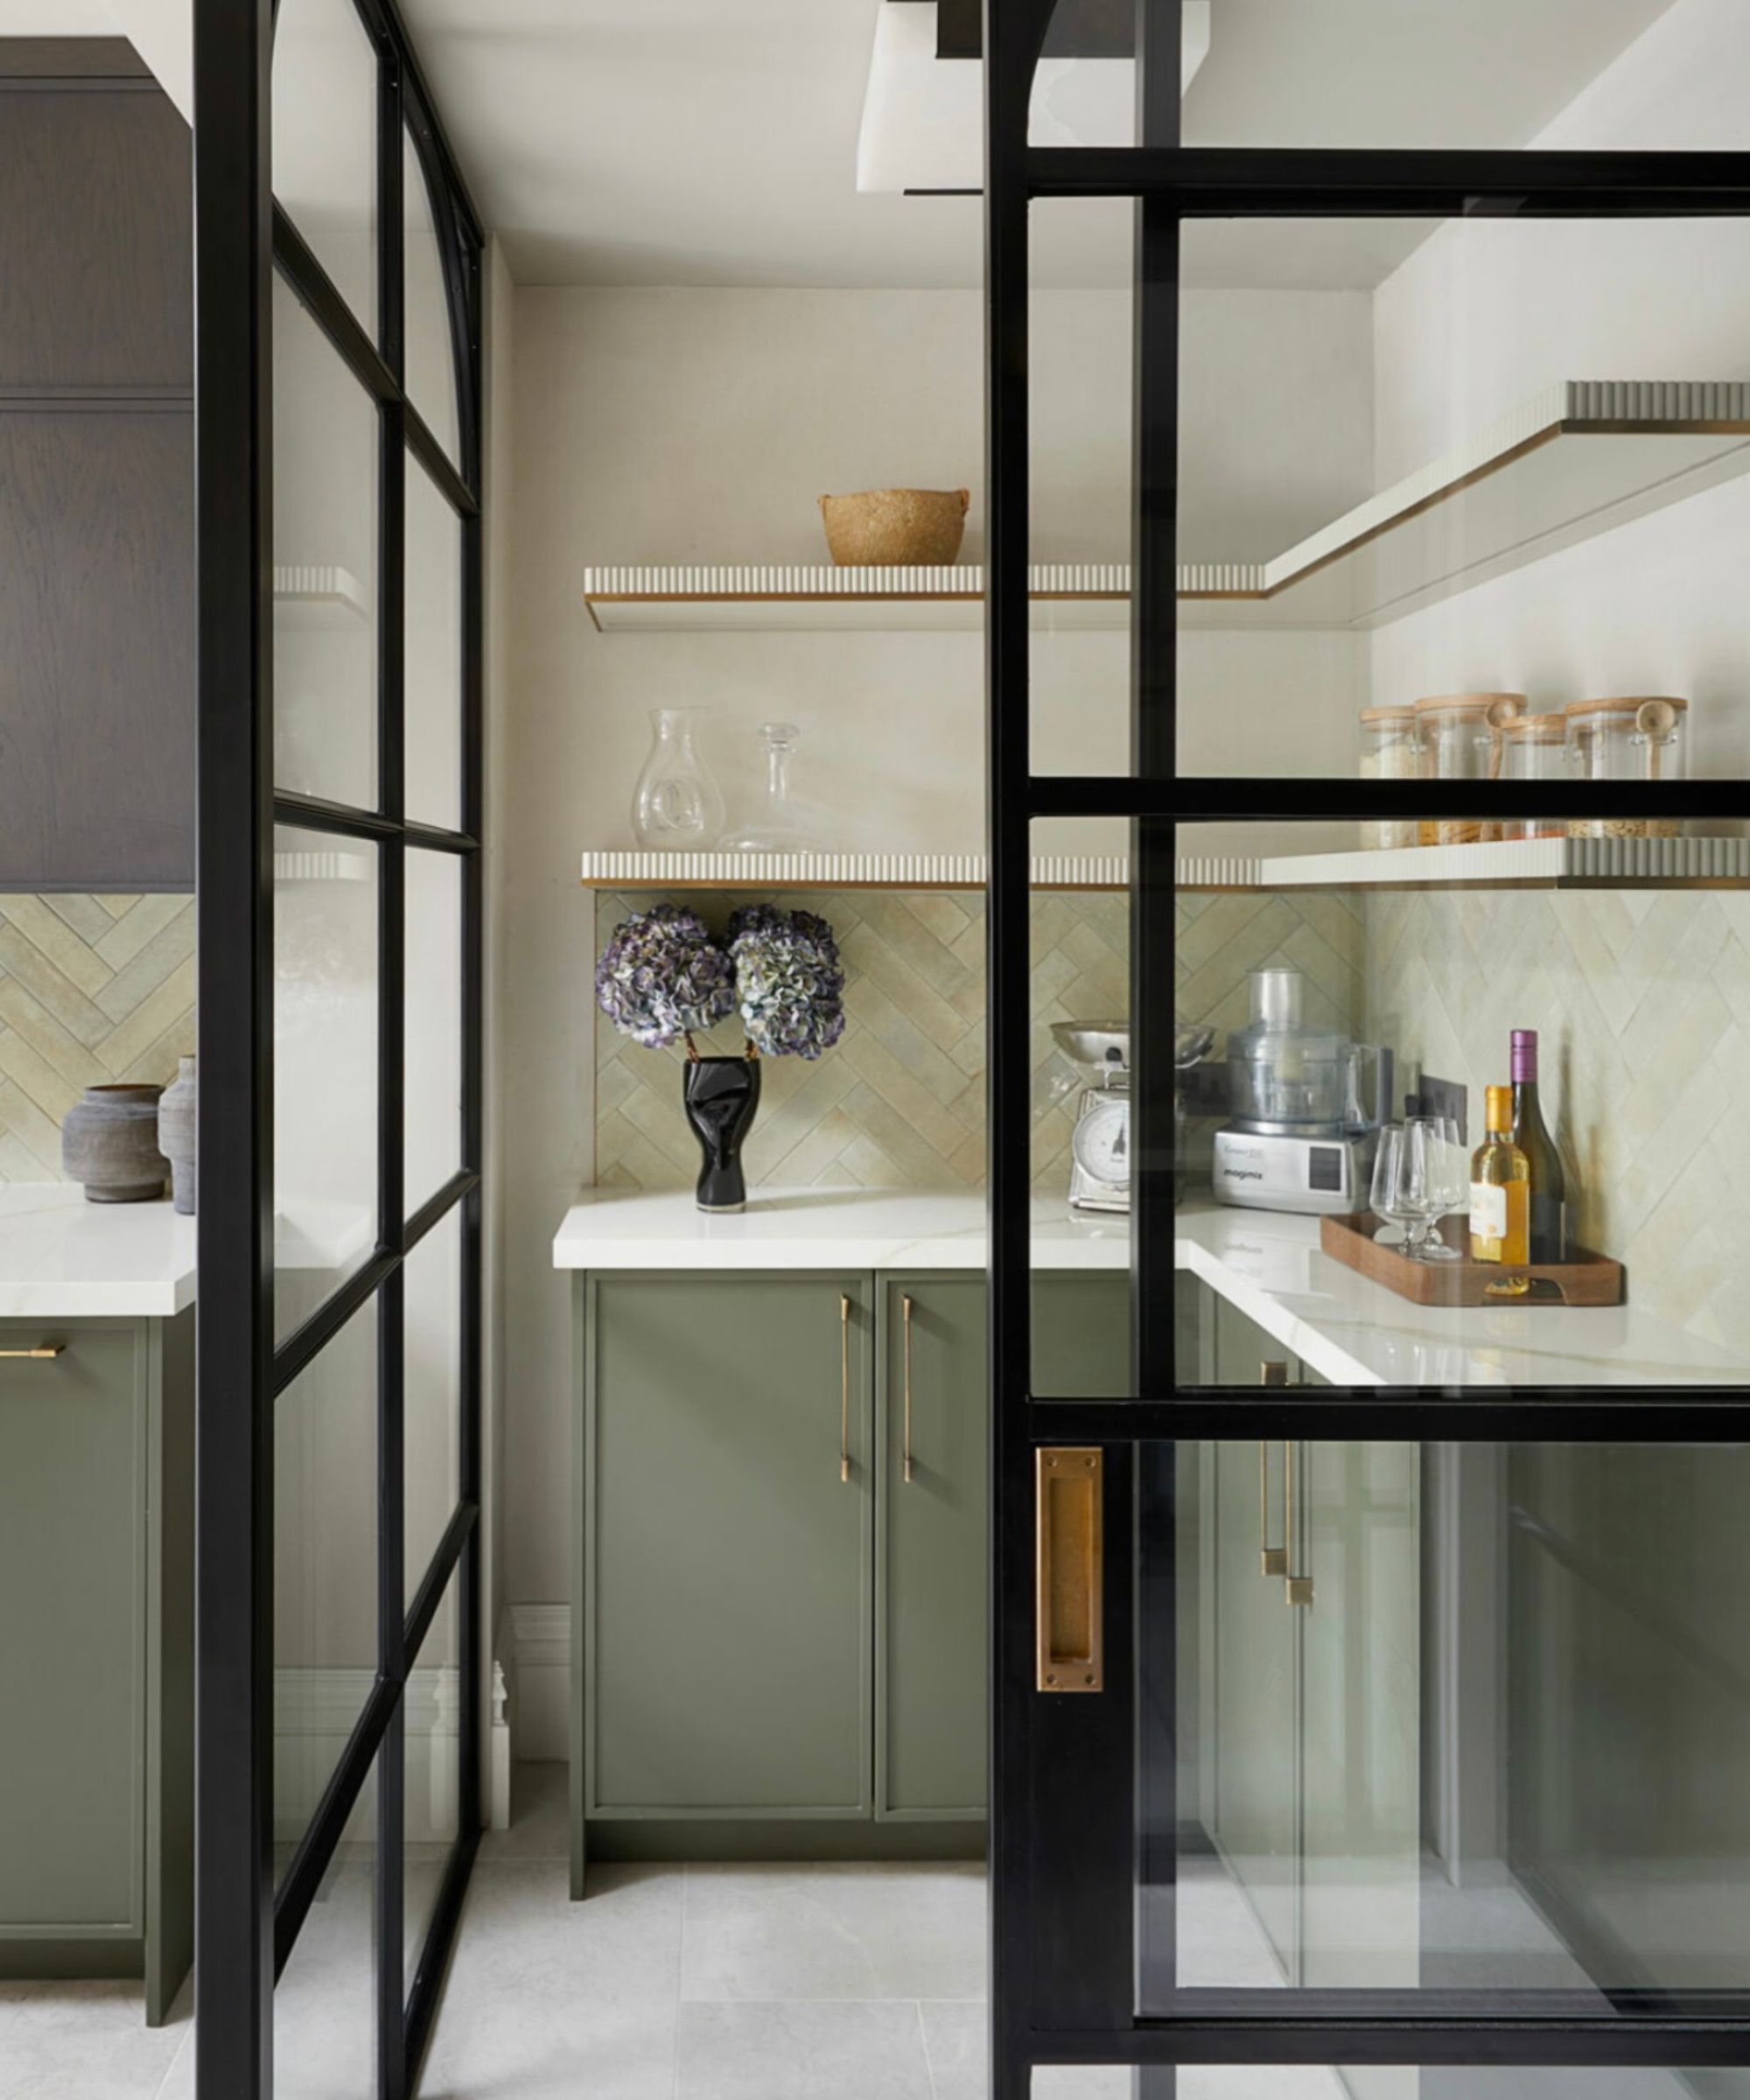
(246, 1928)
(1072, 1912)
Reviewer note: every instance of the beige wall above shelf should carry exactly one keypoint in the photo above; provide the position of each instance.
(1511, 864)
(1578, 459)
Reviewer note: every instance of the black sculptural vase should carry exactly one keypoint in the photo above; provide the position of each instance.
(722, 1095)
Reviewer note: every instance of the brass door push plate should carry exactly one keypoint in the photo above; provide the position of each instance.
(1070, 1606)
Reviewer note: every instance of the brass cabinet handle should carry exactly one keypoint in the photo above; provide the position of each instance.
(1296, 1589)
(905, 1308)
(843, 1386)
(46, 1354)
(1272, 1560)
(1070, 1576)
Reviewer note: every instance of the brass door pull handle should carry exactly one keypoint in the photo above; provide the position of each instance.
(1272, 1560)
(843, 1386)
(906, 1310)
(1296, 1589)
(46, 1354)
(1070, 1599)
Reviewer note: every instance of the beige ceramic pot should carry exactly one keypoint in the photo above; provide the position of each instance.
(886, 527)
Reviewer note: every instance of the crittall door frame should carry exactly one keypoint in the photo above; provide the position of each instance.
(246, 1926)
(1083, 1818)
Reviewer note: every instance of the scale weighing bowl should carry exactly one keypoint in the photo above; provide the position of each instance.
(1103, 1046)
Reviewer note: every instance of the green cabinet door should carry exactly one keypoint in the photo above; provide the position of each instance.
(1358, 1516)
(73, 1618)
(1082, 1333)
(930, 1624)
(728, 1495)
(1253, 1712)
(1245, 1355)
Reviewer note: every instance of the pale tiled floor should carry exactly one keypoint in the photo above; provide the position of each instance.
(671, 1983)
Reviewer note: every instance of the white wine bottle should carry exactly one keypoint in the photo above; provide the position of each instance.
(1548, 1182)
(1500, 1191)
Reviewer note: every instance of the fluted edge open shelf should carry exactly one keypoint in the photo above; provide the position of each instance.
(318, 595)
(1509, 863)
(1578, 459)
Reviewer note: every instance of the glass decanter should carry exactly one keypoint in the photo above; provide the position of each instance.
(677, 806)
(777, 826)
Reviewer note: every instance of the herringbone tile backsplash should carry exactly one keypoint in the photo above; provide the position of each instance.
(900, 1102)
(92, 988)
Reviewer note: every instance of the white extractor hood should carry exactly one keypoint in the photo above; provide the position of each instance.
(923, 119)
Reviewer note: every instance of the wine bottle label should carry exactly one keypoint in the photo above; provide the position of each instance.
(1489, 1211)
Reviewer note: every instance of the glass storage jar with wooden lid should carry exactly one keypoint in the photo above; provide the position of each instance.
(1535, 748)
(1632, 739)
(1461, 739)
(1389, 752)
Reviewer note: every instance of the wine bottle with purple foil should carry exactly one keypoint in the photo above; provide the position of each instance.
(1549, 1183)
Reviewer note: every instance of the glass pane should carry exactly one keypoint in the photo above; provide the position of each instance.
(433, 1289)
(433, 1797)
(1079, 313)
(1446, 491)
(434, 654)
(326, 994)
(1479, 1751)
(1079, 1057)
(1610, 75)
(324, 1567)
(434, 1023)
(325, 2006)
(326, 475)
(431, 341)
(1603, 1019)
(324, 142)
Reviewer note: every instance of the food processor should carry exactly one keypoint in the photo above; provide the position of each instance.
(1306, 1105)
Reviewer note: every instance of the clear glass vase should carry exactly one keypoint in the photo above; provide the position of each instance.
(677, 806)
(778, 825)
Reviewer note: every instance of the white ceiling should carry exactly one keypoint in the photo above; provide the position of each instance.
(713, 141)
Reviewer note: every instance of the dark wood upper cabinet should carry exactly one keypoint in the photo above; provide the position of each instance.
(97, 718)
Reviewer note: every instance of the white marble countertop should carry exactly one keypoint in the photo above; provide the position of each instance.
(1269, 1264)
(63, 1258)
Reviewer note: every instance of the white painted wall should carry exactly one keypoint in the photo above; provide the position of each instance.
(1489, 310)
(701, 425)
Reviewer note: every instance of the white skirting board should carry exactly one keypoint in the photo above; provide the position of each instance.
(539, 1653)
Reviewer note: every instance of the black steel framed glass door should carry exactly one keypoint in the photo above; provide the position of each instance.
(1363, 1682)
(338, 420)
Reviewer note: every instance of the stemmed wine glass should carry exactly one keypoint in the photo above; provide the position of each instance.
(1442, 1177)
(1418, 1177)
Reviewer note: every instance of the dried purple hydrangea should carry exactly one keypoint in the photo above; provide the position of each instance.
(661, 976)
(788, 979)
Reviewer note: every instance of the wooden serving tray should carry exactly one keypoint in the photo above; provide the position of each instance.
(1589, 1280)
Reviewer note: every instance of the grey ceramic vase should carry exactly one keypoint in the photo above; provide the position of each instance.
(176, 1134)
(109, 1143)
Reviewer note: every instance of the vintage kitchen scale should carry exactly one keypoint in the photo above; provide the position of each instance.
(1100, 1149)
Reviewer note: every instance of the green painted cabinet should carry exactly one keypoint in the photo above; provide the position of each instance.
(727, 1489)
(930, 1615)
(96, 1611)
(770, 1629)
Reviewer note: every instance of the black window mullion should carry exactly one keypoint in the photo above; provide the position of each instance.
(390, 1876)
(1325, 182)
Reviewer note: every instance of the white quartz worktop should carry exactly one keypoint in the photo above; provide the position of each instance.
(63, 1258)
(1345, 1327)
